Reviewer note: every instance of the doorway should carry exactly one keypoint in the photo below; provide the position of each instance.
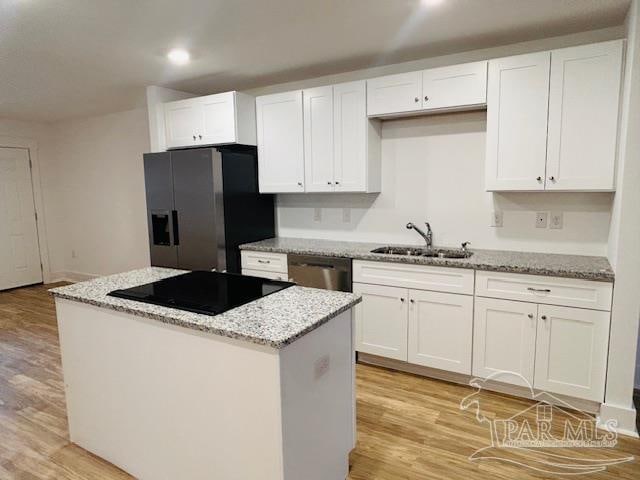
(20, 261)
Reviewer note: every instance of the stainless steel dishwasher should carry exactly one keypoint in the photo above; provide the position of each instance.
(320, 272)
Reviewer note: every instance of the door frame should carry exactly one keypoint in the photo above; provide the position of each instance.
(31, 146)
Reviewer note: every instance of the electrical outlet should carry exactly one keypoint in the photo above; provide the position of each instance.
(346, 215)
(322, 366)
(555, 220)
(541, 219)
(317, 214)
(496, 218)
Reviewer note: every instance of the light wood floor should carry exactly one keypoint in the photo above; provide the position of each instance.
(408, 427)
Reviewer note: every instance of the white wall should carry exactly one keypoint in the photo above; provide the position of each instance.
(98, 223)
(433, 169)
(625, 245)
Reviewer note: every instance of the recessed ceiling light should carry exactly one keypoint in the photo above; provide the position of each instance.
(179, 56)
(430, 3)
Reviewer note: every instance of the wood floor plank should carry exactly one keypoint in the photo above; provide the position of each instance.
(409, 427)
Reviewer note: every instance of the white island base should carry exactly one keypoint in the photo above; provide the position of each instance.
(168, 402)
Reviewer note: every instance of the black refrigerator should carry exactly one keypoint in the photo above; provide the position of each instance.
(202, 203)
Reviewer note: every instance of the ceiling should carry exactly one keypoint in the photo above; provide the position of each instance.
(70, 58)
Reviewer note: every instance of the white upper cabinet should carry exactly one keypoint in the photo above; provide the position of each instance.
(583, 117)
(211, 120)
(552, 119)
(517, 107)
(394, 94)
(456, 86)
(280, 142)
(318, 139)
(571, 351)
(356, 140)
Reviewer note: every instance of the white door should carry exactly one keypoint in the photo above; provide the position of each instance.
(583, 116)
(318, 139)
(280, 142)
(218, 119)
(381, 320)
(504, 340)
(440, 330)
(19, 249)
(571, 351)
(394, 94)
(350, 124)
(456, 86)
(517, 105)
(183, 120)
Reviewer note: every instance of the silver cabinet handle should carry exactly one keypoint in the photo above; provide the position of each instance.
(543, 317)
(530, 315)
(328, 183)
(426, 99)
(552, 178)
(542, 290)
(412, 301)
(264, 261)
(200, 136)
(299, 184)
(539, 179)
(402, 299)
(337, 183)
(416, 99)
(194, 137)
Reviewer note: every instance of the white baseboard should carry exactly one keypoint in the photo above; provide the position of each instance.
(624, 416)
(72, 277)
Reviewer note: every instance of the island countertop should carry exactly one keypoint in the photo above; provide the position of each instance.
(557, 265)
(275, 320)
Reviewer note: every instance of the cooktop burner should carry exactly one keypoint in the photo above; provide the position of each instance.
(209, 293)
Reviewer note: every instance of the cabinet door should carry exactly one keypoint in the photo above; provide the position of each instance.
(504, 340)
(381, 321)
(440, 330)
(183, 120)
(457, 86)
(394, 94)
(571, 351)
(280, 142)
(218, 119)
(583, 117)
(517, 104)
(350, 125)
(318, 139)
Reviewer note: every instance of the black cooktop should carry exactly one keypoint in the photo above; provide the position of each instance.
(209, 293)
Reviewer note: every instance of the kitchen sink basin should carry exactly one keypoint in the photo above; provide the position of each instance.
(424, 252)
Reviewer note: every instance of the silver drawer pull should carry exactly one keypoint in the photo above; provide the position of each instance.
(264, 261)
(541, 290)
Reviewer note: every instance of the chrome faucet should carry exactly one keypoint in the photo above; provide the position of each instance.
(428, 237)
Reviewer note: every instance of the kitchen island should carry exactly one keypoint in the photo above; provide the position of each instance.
(262, 391)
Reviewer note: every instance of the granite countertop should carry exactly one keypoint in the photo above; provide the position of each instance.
(275, 320)
(556, 265)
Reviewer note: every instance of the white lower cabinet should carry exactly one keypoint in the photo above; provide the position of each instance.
(381, 320)
(504, 340)
(267, 275)
(440, 330)
(571, 351)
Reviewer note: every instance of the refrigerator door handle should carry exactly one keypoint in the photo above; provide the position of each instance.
(176, 230)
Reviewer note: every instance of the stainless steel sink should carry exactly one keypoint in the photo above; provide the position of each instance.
(423, 252)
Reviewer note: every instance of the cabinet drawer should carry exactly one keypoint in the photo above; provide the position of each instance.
(264, 261)
(421, 277)
(546, 290)
(268, 275)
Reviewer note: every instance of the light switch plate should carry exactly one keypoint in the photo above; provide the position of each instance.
(497, 218)
(556, 220)
(542, 219)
